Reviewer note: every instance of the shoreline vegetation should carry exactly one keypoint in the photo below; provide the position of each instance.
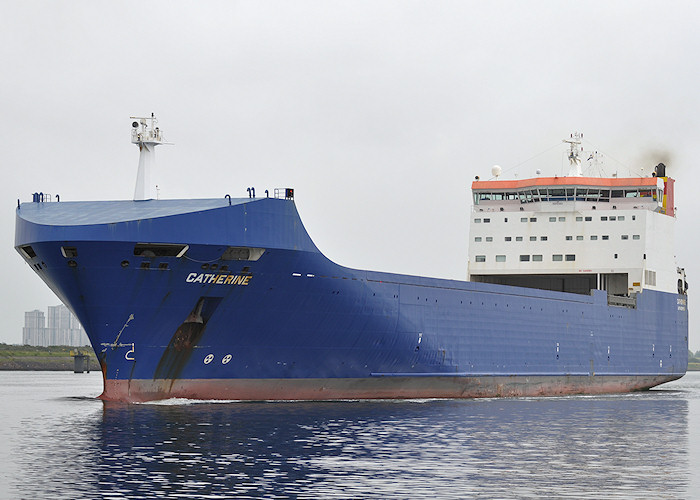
(33, 358)
(58, 358)
(693, 361)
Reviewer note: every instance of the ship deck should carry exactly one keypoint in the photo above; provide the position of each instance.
(83, 213)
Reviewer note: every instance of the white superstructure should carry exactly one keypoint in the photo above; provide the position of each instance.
(576, 233)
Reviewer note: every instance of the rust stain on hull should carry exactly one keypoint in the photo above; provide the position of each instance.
(185, 338)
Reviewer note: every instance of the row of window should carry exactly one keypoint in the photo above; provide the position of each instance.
(557, 257)
(579, 237)
(579, 218)
(568, 194)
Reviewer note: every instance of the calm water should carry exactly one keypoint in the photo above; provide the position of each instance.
(57, 441)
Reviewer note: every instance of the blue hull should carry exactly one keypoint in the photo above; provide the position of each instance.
(294, 325)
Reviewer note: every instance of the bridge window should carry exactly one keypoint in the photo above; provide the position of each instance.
(500, 258)
(481, 258)
(570, 257)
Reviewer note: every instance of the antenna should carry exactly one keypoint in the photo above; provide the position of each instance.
(574, 160)
(595, 163)
(146, 135)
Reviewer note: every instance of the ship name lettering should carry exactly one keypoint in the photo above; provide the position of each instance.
(221, 279)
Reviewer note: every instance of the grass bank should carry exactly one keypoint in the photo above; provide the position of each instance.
(54, 358)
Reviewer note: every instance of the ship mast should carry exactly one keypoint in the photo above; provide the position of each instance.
(574, 159)
(147, 136)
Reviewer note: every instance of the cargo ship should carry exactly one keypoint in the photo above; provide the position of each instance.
(572, 288)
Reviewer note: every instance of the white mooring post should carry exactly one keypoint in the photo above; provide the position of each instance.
(146, 136)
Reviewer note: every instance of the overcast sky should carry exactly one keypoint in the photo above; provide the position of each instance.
(379, 114)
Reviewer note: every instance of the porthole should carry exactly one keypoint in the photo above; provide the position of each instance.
(125, 263)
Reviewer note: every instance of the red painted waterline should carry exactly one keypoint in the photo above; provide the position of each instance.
(377, 387)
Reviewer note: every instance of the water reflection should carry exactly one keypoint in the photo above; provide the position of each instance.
(581, 447)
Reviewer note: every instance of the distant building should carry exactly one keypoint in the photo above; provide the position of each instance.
(63, 328)
(33, 331)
